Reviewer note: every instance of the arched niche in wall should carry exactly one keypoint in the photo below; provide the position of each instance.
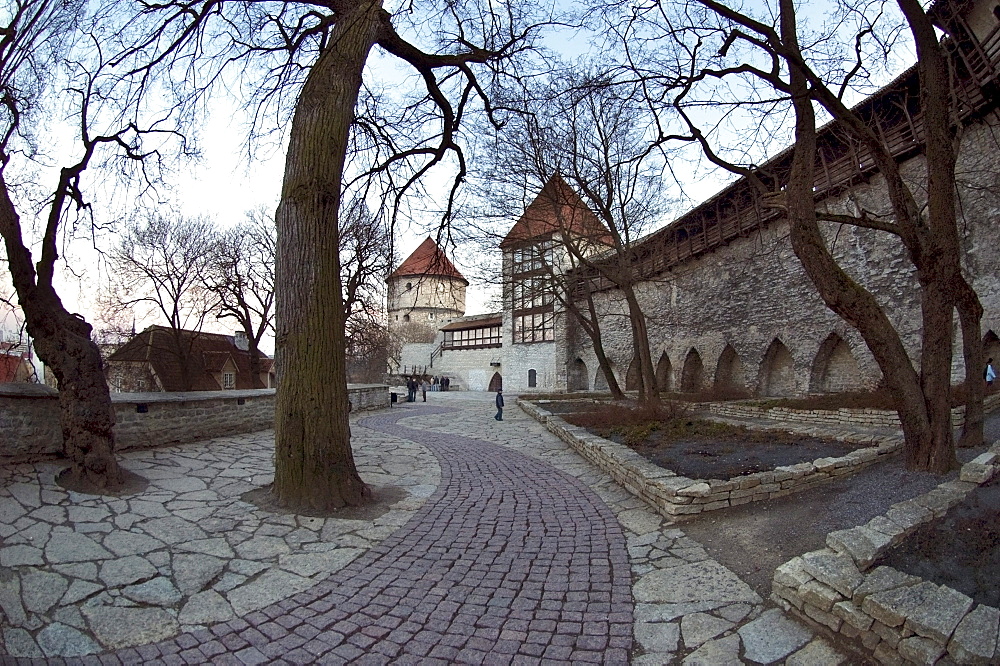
(693, 374)
(777, 372)
(633, 378)
(664, 374)
(579, 376)
(834, 369)
(729, 374)
(991, 349)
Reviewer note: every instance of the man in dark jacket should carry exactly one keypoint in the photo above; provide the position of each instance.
(499, 416)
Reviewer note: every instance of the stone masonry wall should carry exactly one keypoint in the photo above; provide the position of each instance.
(859, 418)
(673, 495)
(895, 617)
(29, 416)
(753, 295)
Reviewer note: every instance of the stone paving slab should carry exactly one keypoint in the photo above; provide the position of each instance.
(80, 574)
(508, 548)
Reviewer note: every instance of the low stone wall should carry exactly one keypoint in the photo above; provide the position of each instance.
(859, 418)
(29, 416)
(673, 495)
(895, 617)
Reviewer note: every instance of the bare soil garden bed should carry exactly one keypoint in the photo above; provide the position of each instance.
(701, 449)
(960, 550)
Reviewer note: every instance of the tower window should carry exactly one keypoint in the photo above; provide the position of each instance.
(409, 285)
(406, 317)
(532, 378)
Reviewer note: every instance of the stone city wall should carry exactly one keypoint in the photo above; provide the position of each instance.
(893, 616)
(746, 314)
(859, 418)
(29, 416)
(468, 369)
(672, 495)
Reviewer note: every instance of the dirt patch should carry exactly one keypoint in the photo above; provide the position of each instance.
(382, 499)
(702, 449)
(132, 484)
(960, 550)
(729, 455)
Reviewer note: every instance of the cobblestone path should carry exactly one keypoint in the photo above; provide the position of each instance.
(509, 561)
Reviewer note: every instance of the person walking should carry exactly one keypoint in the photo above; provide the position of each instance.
(499, 401)
(990, 374)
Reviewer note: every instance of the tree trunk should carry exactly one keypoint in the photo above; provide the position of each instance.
(62, 341)
(648, 392)
(970, 312)
(592, 327)
(314, 465)
(923, 402)
(255, 369)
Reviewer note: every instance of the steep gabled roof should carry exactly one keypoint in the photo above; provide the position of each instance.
(557, 208)
(428, 259)
(206, 353)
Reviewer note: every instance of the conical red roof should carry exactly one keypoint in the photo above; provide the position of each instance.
(428, 259)
(557, 208)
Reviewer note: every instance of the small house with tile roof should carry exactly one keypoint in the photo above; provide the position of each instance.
(165, 359)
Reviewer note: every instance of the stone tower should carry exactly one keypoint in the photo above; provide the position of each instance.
(425, 293)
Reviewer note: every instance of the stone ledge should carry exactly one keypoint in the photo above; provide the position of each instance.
(900, 618)
(672, 495)
(144, 420)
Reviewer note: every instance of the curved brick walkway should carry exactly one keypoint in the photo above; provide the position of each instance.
(509, 561)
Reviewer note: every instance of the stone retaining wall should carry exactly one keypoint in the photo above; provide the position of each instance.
(858, 418)
(895, 617)
(673, 495)
(29, 416)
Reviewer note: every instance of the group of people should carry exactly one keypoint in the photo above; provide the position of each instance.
(414, 384)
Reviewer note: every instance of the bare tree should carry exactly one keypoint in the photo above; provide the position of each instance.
(240, 274)
(592, 150)
(161, 265)
(314, 60)
(37, 74)
(738, 63)
(366, 257)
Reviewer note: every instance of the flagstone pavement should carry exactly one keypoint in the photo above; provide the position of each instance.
(503, 546)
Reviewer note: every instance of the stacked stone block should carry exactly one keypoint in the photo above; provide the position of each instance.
(892, 616)
(673, 495)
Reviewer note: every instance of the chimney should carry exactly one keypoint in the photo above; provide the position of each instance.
(240, 340)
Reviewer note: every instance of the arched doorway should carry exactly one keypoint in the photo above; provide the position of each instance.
(496, 383)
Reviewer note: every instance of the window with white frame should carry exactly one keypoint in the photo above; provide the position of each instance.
(533, 292)
(228, 380)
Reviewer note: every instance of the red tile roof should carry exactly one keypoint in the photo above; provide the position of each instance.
(557, 208)
(207, 353)
(428, 259)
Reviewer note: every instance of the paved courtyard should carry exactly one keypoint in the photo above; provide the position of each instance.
(498, 545)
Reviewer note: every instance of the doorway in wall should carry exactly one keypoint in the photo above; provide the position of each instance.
(496, 383)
